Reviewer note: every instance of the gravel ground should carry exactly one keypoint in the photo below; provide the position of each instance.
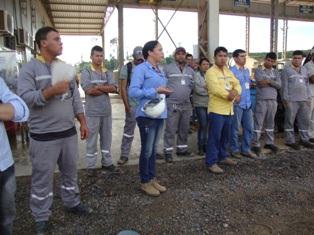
(272, 195)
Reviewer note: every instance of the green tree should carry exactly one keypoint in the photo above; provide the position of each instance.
(111, 64)
(79, 67)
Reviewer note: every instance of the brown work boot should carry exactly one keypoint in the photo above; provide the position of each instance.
(249, 155)
(229, 162)
(149, 189)
(236, 155)
(215, 169)
(157, 186)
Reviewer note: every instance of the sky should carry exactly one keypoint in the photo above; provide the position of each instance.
(139, 27)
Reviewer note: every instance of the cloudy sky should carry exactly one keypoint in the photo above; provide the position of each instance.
(139, 28)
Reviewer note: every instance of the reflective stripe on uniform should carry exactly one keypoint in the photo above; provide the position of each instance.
(128, 136)
(42, 198)
(67, 188)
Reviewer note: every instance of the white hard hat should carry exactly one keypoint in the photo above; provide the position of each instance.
(154, 108)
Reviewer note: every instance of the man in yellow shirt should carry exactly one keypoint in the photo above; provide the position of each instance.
(223, 90)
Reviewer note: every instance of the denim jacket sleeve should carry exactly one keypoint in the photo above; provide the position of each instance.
(137, 89)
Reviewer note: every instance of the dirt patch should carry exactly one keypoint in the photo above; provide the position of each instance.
(273, 195)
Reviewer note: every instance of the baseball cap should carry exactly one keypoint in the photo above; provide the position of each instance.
(138, 53)
(180, 49)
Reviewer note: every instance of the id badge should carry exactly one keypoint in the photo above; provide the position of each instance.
(247, 85)
(301, 80)
(183, 82)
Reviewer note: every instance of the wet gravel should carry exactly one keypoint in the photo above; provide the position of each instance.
(271, 195)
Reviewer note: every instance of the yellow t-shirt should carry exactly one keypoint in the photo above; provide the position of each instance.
(219, 83)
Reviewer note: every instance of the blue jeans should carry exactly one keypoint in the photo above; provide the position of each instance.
(201, 113)
(150, 131)
(244, 118)
(7, 200)
(218, 138)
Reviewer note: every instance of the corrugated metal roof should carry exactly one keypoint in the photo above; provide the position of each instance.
(79, 17)
(88, 16)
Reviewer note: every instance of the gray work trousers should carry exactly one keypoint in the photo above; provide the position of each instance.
(264, 116)
(103, 127)
(178, 122)
(128, 133)
(7, 200)
(311, 129)
(298, 110)
(45, 155)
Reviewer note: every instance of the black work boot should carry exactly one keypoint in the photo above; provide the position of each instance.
(80, 209)
(168, 158)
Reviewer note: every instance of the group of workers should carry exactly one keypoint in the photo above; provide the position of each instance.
(152, 94)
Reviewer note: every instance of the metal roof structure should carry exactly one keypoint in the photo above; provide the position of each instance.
(78, 17)
(88, 17)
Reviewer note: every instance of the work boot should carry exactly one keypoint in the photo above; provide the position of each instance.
(79, 210)
(41, 227)
(272, 147)
(307, 144)
(186, 153)
(201, 151)
(215, 169)
(111, 169)
(91, 172)
(149, 189)
(249, 155)
(256, 150)
(123, 160)
(229, 162)
(157, 186)
(159, 156)
(168, 158)
(236, 155)
(294, 146)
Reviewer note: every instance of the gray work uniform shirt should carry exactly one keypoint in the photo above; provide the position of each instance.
(46, 116)
(181, 82)
(124, 76)
(200, 92)
(295, 84)
(269, 92)
(310, 69)
(96, 106)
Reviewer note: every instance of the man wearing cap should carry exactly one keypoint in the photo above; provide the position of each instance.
(97, 82)
(180, 80)
(129, 104)
(310, 69)
(296, 99)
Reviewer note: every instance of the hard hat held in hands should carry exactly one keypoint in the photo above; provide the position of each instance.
(155, 107)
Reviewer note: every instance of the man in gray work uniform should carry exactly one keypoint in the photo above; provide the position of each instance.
(267, 83)
(310, 69)
(52, 130)
(129, 104)
(98, 82)
(296, 99)
(180, 79)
